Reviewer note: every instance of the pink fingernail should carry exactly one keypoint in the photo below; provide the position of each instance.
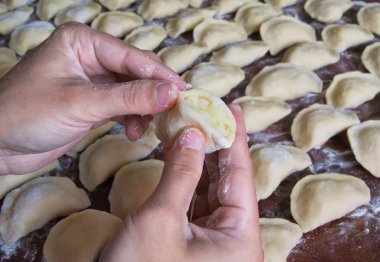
(191, 138)
(235, 107)
(165, 93)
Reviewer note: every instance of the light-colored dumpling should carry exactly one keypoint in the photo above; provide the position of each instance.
(316, 124)
(152, 9)
(365, 143)
(371, 58)
(116, 4)
(369, 17)
(327, 11)
(284, 81)
(251, 16)
(261, 112)
(311, 56)
(281, 3)
(319, 199)
(278, 237)
(180, 57)
(12, 19)
(195, 3)
(197, 108)
(47, 9)
(228, 6)
(273, 163)
(340, 37)
(3, 8)
(187, 20)
(12, 4)
(117, 23)
(35, 203)
(8, 60)
(240, 54)
(351, 89)
(216, 78)
(214, 33)
(83, 13)
(133, 185)
(146, 37)
(80, 236)
(28, 36)
(285, 31)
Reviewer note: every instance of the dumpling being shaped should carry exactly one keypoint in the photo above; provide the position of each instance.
(311, 56)
(285, 31)
(116, 4)
(12, 4)
(340, 37)
(3, 8)
(316, 124)
(371, 58)
(195, 3)
(214, 33)
(261, 112)
(200, 109)
(228, 6)
(146, 37)
(133, 185)
(216, 78)
(284, 81)
(351, 89)
(327, 11)
(273, 163)
(47, 9)
(82, 13)
(369, 17)
(364, 139)
(281, 3)
(152, 9)
(318, 199)
(35, 203)
(12, 19)
(8, 60)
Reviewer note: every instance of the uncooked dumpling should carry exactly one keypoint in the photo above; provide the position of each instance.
(284, 81)
(35, 203)
(12, 19)
(133, 185)
(278, 237)
(197, 108)
(83, 13)
(8, 60)
(3, 8)
(351, 89)
(228, 6)
(195, 3)
(152, 9)
(316, 124)
(47, 9)
(281, 3)
(285, 31)
(12, 4)
(146, 37)
(371, 59)
(365, 143)
(214, 33)
(319, 199)
(216, 78)
(116, 4)
(327, 11)
(240, 54)
(369, 17)
(80, 236)
(261, 112)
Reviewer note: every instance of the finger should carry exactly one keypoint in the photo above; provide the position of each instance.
(134, 127)
(212, 165)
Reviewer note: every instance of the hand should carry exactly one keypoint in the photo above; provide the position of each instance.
(76, 80)
(226, 227)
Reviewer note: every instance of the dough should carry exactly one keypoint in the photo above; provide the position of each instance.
(316, 124)
(8, 60)
(3, 8)
(285, 31)
(281, 3)
(327, 11)
(146, 37)
(12, 4)
(12, 19)
(240, 54)
(216, 78)
(319, 199)
(365, 143)
(369, 17)
(35, 203)
(47, 9)
(371, 58)
(197, 108)
(284, 81)
(195, 3)
(260, 112)
(228, 6)
(83, 13)
(80, 236)
(152, 9)
(350, 90)
(116, 4)
(134, 183)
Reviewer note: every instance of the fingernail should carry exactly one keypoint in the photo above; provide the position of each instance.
(165, 93)
(189, 86)
(235, 107)
(191, 138)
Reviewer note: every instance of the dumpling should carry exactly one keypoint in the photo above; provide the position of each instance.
(12, 4)
(35, 203)
(200, 109)
(133, 185)
(284, 81)
(371, 58)
(116, 4)
(281, 3)
(273, 163)
(104, 157)
(3, 8)
(187, 20)
(351, 89)
(319, 199)
(285, 31)
(8, 60)
(180, 57)
(251, 16)
(117, 23)
(28, 36)
(12, 19)
(214, 33)
(240, 54)
(340, 37)
(80, 236)
(146, 37)
(228, 6)
(47, 9)
(316, 124)
(327, 11)
(195, 3)
(278, 237)
(365, 143)
(369, 17)
(216, 78)
(311, 56)
(261, 112)
(83, 13)
(152, 9)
